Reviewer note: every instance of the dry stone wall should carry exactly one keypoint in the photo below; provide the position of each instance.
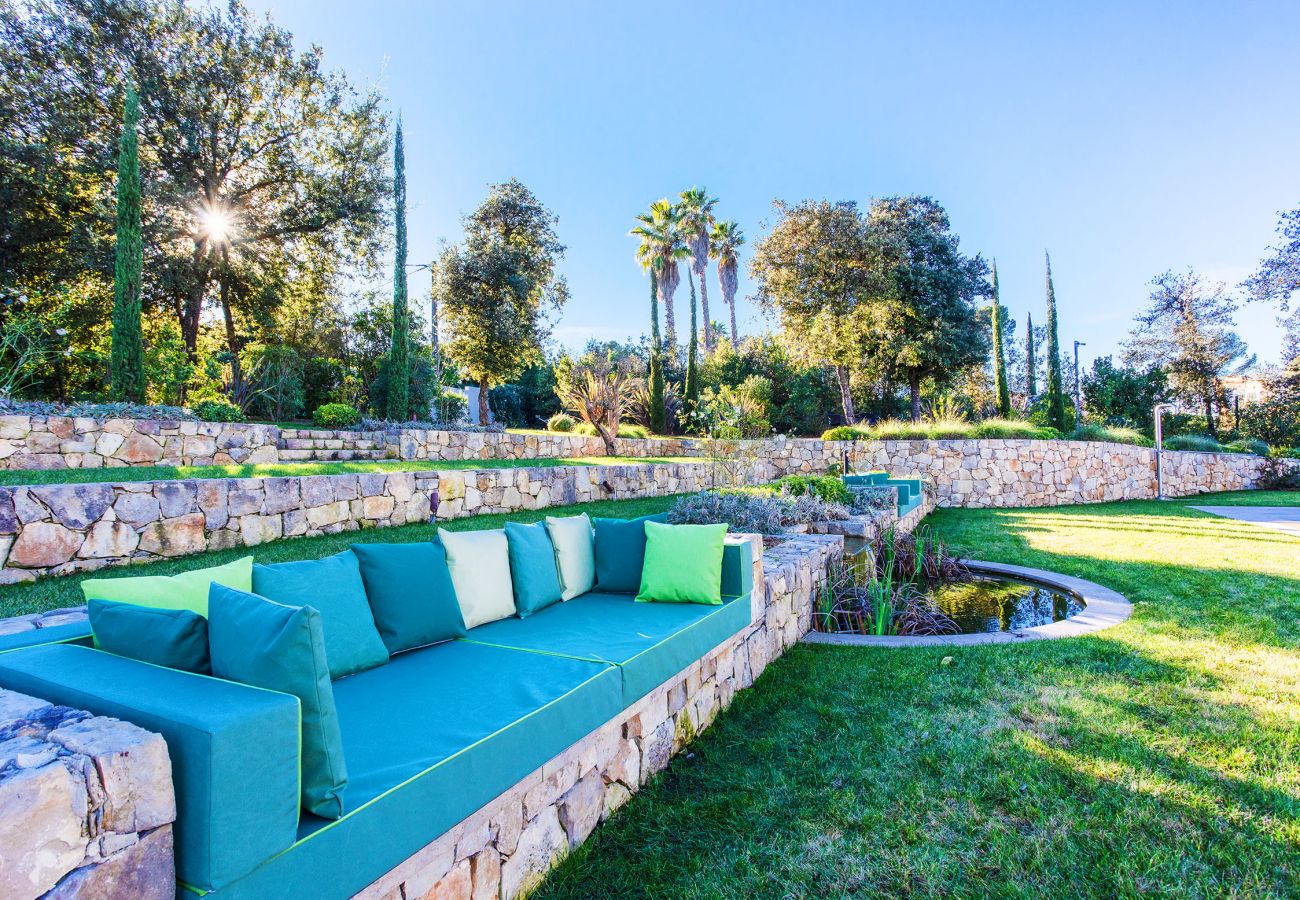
(60, 442)
(86, 805)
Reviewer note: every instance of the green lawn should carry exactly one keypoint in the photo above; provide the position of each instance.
(1160, 757)
(53, 593)
(266, 470)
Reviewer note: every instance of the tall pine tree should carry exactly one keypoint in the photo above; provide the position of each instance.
(1031, 364)
(658, 407)
(126, 362)
(692, 389)
(1055, 387)
(999, 358)
(398, 363)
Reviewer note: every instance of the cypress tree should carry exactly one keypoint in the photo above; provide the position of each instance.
(999, 358)
(1055, 388)
(692, 390)
(1031, 364)
(126, 360)
(658, 409)
(398, 364)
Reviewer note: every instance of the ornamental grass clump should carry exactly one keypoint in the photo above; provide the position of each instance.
(755, 510)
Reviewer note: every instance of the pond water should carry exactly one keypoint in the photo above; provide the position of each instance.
(1001, 604)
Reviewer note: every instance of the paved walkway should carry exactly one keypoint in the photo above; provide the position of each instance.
(1278, 518)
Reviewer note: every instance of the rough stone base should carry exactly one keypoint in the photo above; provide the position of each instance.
(507, 847)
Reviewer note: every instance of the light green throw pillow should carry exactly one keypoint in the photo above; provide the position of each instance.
(575, 553)
(188, 590)
(683, 564)
(480, 571)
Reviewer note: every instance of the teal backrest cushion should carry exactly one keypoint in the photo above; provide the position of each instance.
(620, 552)
(532, 567)
(265, 644)
(175, 638)
(410, 592)
(332, 586)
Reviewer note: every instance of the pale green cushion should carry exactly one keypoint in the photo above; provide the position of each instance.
(575, 553)
(480, 571)
(683, 563)
(188, 590)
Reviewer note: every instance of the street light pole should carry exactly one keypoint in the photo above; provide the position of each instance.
(1078, 388)
(1157, 412)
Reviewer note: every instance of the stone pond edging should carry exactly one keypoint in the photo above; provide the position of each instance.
(1103, 608)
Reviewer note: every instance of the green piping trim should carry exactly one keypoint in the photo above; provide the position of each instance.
(421, 774)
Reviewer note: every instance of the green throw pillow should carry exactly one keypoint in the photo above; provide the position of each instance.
(188, 590)
(175, 638)
(480, 569)
(281, 648)
(575, 553)
(620, 552)
(411, 594)
(333, 586)
(532, 567)
(683, 563)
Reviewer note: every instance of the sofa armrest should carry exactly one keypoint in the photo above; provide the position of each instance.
(737, 567)
(234, 749)
(72, 632)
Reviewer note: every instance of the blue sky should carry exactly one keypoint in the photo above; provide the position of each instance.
(1125, 140)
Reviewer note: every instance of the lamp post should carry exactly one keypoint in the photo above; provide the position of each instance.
(1157, 412)
(1078, 389)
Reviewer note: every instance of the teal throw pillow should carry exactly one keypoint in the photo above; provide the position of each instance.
(333, 586)
(259, 642)
(174, 638)
(410, 593)
(532, 567)
(683, 563)
(620, 552)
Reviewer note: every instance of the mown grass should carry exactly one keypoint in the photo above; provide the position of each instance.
(267, 470)
(54, 593)
(1159, 757)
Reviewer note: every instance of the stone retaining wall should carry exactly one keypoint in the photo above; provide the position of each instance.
(60, 442)
(86, 805)
(61, 529)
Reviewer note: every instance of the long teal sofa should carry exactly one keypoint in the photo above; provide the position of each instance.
(429, 737)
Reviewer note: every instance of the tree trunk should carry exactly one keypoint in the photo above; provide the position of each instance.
(611, 449)
(914, 385)
(1210, 425)
(735, 337)
(483, 412)
(189, 320)
(670, 325)
(704, 309)
(846, 396)
(232, 341)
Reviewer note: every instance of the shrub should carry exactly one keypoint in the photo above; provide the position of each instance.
(1196, 443)
(822, 487)
(753, 510)
(841, 433)
(1112, 433)
(1277, 474)
(1012, 428)
(1286, 452)
(217, 410)
(624, 430)
(335, 415)
(1248, 445)
(10, 407)
(561, 422)
(872, 498)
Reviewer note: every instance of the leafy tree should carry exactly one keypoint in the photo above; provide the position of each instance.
(1187, 331)
(662, 245)
(398, 350)
(600, 391)
(1055, 389)
(725, 240)
(999, 358)
(1031, 364)
(1278, 277)
(696, 219)
(926, 328)
(692, 389)
(815, 271)
(498, 286)
(127, 365)
(1119, 395)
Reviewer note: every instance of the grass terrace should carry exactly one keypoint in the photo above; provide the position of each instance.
(1160, 757)
(271, 470)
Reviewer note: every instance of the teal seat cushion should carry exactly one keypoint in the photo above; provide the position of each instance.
(499, 715)
(620, 552)
(259, 642)
(334, 588)
(410, 592)
(175, 638)
(533, 572)
(233, 748)
(649, 642)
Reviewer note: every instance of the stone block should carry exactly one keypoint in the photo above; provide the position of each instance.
(44, 544)
(138, 449)
(542, 844)
(174, 537)
(144, 870)
(581, 807)
(42, 815)
(109, 539)
(133, 767)
(137, 509)
(260, 529)
(76, 506)
(177, 498)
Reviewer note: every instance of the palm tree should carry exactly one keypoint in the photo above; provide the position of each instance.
(725, 240)
(696, 211)
(661, 246)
